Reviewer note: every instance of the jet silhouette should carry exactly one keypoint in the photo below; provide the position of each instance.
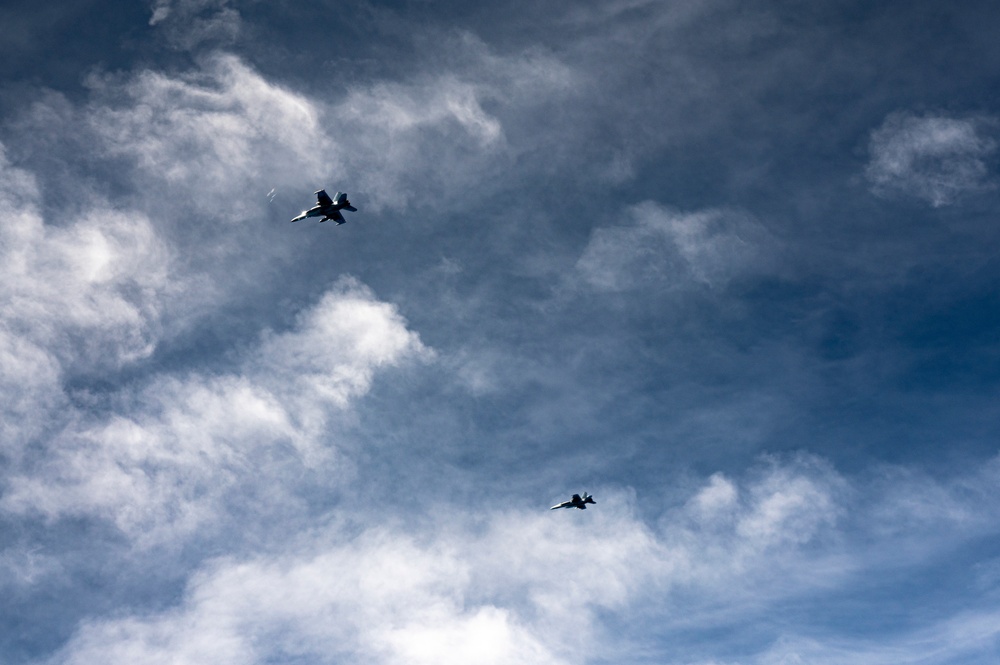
(576, 502)
(328, 208)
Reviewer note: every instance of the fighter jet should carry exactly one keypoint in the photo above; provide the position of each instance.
(576, 502)
(328, 208)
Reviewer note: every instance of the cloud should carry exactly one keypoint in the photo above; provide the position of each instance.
(534, 586)
(191, 149)
(673, 250)
(400, 108)
(191, 24)
(191, 155)
(201, 447)
(517, 586)
(443, 133)
(933, 158)
(381, 598)
(416, 140)
(968, 637)
(174, 458)
(211, 135)
(78, 299)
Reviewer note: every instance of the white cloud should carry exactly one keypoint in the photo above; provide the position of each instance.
(337, 345)
(199, 149)
(662, 247)
(381, 598)
(199, 144)
(94, 282)
(81, 297)
(174, 459)
(934, 158)
(211, 136)
(539, 587)
(519, 587)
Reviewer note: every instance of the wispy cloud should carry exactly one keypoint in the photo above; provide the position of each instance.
(674, 250)
(968, 637)
(211, 134)
(82, 298)
(193, 24)
(218, 448)
(170, 461)
(931, 157)
(441, 134)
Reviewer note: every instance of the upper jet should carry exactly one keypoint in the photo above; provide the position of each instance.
(328, 208)
(576, 502)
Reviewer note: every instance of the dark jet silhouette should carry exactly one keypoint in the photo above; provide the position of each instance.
(328, 208)
(576, 502)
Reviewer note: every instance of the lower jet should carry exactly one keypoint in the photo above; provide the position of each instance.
(576, 502)
(328, 208)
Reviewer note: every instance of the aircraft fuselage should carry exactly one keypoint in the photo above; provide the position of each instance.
(328, 208)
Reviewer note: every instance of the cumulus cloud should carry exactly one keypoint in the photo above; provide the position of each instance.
(382, 598)
(932, 157)
(93, 282)
(172, 459)
(337, 345)
(522, 587)
(541, 587)
(665, 248)
(527, 586)
(79, 298)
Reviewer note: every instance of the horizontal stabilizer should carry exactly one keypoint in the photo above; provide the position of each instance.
(351, 208)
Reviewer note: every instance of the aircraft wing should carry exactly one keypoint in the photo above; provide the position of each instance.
(335, 216)
(323, 198)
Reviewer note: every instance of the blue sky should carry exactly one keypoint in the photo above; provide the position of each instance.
(730, 267)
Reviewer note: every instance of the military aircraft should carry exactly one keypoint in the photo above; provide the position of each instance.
(328, 208)
(576, 502)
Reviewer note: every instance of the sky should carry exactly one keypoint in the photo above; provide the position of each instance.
(728, 266)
